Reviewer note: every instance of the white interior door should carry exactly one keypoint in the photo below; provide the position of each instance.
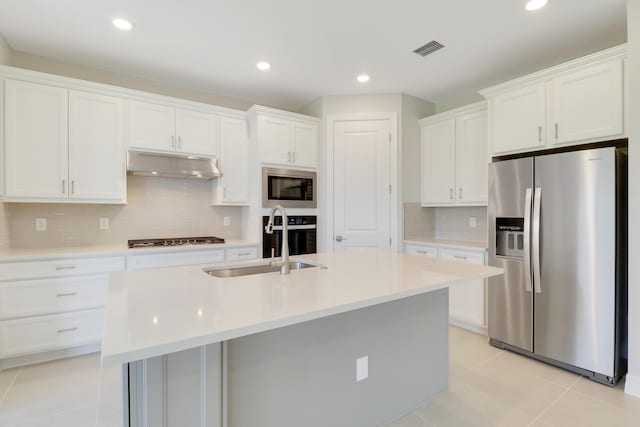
(361, 184)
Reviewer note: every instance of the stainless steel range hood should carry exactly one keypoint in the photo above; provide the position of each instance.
(171, 165)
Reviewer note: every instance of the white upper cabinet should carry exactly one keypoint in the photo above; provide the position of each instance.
(161, 128)
(472, 158)
(274, 140)
(151, 126)
(36, 158)
(454, 157)
(586, 104)
(286, 139)
(438, 162)
(196, 132)
(96, 149)
(577, 102)
(233, 186)
(304, 139)
(518, 119)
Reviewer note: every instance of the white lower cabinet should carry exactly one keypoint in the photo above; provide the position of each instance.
(45, 333)
(467, 301)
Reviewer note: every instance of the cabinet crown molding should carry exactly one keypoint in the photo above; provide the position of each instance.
(282, 114)
(619, 52)
(450, 114)
(110, 90)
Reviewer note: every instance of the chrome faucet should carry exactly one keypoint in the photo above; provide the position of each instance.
(286, 267)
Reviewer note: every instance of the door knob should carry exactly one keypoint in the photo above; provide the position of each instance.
(338, 238)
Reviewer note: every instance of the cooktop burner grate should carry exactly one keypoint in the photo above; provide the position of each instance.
(178, 241)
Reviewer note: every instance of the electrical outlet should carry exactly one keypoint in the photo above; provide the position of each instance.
(41, 224)
(226, 221)
(104, 223)
(473, 222)
(362, 368)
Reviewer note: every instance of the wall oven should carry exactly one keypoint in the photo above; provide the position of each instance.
(289, 188)
(302, 236)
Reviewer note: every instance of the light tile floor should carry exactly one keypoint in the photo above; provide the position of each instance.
(488, 387)
(491, 387)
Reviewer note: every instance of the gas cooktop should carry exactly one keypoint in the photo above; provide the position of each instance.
(178, 241)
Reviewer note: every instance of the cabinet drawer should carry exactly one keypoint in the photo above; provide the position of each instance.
(237, 254)
(44, 333)
(33, 297)
(462, 256)
(139, 262)
(427, 251)
(60, 267)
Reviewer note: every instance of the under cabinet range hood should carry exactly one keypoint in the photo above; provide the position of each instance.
(171, 165)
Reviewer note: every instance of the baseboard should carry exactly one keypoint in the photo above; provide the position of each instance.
(30, 359)
(468, 326)
(632, 385)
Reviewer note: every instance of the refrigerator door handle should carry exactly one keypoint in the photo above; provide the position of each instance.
(527, 242)
(536, 240)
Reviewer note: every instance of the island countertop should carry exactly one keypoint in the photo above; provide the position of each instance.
(161, 311)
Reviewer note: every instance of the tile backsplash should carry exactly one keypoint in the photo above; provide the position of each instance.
(451, 223)
(157, 207)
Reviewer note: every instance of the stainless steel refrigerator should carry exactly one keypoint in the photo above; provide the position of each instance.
(557, 225)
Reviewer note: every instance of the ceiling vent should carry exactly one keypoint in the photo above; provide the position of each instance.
(428, 48)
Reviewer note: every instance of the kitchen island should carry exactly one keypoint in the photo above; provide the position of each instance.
(280, 350)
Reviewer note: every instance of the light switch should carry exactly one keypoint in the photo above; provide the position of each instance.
(41, 224)
(104, 223)
(473, 222)
(362, 368)
(226, 221)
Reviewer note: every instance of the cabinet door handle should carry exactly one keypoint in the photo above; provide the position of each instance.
(244, 253)
(451, 193)
(66, 294)
(179, 142)
(66, 267)
(64, 186)
(460, 193)
(62, 331)
(289, 156)
(539, 133)
(294, 156)
(556, 126)
(173, 141)
(422, 252)
(73, 186)
(459, 257)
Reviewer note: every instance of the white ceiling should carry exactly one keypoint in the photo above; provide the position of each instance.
(315, 47)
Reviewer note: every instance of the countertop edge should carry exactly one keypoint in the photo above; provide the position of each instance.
(450, 245)
(89, 252)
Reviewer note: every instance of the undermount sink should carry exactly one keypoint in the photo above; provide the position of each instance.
(271, 267)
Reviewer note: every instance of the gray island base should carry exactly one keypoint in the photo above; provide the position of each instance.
(302, 375)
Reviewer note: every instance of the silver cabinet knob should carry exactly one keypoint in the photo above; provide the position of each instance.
(338, 238)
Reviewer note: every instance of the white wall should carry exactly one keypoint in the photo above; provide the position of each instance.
(5, 51)
(633, 19)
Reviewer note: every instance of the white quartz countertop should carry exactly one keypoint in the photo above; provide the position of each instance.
(17, 255)
(155, 312)
(453, 244)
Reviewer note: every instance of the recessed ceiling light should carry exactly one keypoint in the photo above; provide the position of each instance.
(263, 66)
(122, 24)
(535, 4)
(363, 78)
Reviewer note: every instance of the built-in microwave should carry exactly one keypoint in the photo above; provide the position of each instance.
(289, 188)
